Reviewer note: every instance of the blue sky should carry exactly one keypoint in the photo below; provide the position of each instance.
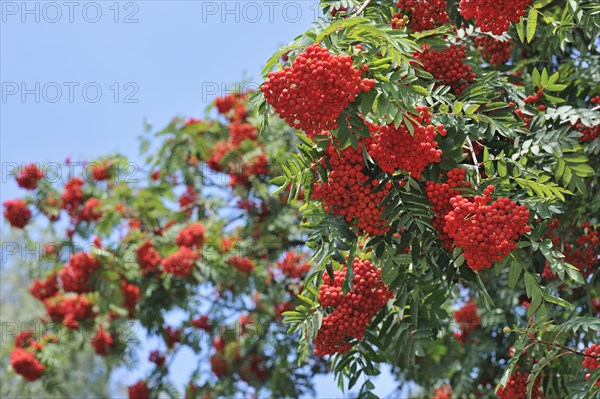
(79, 80)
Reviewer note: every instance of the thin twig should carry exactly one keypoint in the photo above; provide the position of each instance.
(362, 8)
(475, 162)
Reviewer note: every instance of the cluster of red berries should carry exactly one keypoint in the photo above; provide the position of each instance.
(220, 150)
(493, 15)
(17, 213)
(201, 322)
(139, 390)
(486, 233)
(191, 236)
(293, 265)
(238, 132)
(348, 191)
(72, 196)
(424, 14)
(534, 98)
(131, 296)
(181, 263)
(443, 392)
(29, 176)
(148, 257)
(91, 210)
(588, 133)
(24, 339)
(582, 250)
(232, 106)
(591, 360)
(102, 342)
(75, 275)
(157, 358)
(311, 94)
(351, 312)
(69, 310)
(101, 171)
(398, 21)
(468, 319)
(516, 388)
(439, 195)
(242, 263)
(447, 66)
(172, 336)
(496, 52)
(26, 364)
(397, 149)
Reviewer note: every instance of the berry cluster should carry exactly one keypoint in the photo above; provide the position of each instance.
(139, 390)
(17, 213)
(439, 195)
(311, 94)
(172, 336)
(493, 15)
(348, 191)
(91, 210)
(72, 196)
(516, 388)
(398, 21)
(201, 322)
(240, 132)
(148, 257)
(351, 312)
(293, 265)
(191, 236)
(591, 360)
(486, 233)
(181, 262)
(242, 263)
(424, 15)
(69, 310)
(468, 319)
(26, 364)
(157, 358)
(101, 171)
(29, 176)
(447, 66)
(131, 296)
(443, 392)
(588, 133)
(581, 250)
(24, 339)
(75, 275)
(102, 342)
(397, 149)
(534, 98)
(496, 52)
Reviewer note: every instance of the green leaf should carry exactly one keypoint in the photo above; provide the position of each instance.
(531, 24)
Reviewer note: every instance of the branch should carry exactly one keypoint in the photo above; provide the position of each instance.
(475, 162)
(362, 8)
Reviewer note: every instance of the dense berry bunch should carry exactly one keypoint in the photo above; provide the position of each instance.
(101, 171)
(138, 391)
(69, 310)
(75, 275)
(242, 263)
(24, 339)
(439, 195)
(172, 336)
(240, 132)
(157, 358)
(486, 233)
(582, 250)
(468, 319)
(311, 94)
(591, 360)
(293, 265)
(17, 213)
(188, 198)
(588, 133)
(29, 176)
(191, 236)
(397, 149)
(72, 195)
(443, 392)
(43, 289)
(131, 296)
(496, 52)
(447, 66)
(424, 14)
(26, 364)
(351, 312)
(493, 15)
(91, 210)
(516, 388)
(102, 342)
(348, 191)
(181, 262)
(148, 257)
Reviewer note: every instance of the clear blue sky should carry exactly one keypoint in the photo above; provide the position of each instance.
(79, 80)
